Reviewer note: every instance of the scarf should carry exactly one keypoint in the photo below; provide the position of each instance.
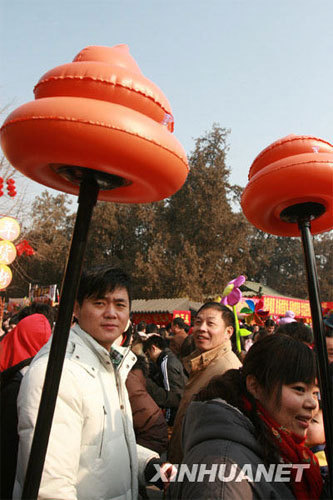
(293, 451)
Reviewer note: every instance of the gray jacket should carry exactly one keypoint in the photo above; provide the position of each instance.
(222, 438)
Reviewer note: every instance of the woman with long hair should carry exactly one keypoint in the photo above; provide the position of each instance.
(244, 435)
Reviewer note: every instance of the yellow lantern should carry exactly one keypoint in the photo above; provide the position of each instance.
(9, 228)
(5, 276)
(7, 252)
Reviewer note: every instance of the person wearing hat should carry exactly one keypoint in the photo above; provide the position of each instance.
(289, 317)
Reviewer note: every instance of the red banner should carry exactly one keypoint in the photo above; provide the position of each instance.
(186, 315)
(277, 306)
(161, 319)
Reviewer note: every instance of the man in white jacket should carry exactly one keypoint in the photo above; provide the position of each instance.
(92, 453)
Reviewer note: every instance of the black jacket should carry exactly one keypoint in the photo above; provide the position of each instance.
(216, 433)
(167, 385)
(10, 386)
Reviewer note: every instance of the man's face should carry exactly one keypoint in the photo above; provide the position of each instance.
(210, 330)
(105, 318)
(153, 353)
(174, 328)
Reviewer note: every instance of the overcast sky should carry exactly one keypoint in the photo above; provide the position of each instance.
(262, 68)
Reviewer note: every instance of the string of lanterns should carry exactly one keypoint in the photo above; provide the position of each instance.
(9, 232)
(11, 187)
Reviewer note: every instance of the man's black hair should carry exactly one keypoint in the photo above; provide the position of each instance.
(227, 314)
(299, 331)
(34, 308)
(151, 328)
(98, 281)
(141, 326)
(155, 340)
(179, 322)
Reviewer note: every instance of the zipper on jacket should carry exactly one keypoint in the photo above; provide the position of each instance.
(102, 438)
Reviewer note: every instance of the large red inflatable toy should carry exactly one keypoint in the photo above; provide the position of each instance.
(97, 128)
(295, 170)
(98, 112)
(290, 193)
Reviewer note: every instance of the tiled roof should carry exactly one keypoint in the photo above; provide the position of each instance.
(165, 305)
(251, 288)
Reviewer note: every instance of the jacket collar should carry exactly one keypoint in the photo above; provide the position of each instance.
(162, 355)
(197, 360)
(126, 356)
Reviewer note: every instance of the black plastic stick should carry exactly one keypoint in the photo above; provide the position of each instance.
(319, 335)
(87, 199)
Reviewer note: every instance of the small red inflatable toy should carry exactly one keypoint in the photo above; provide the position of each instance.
(100, 113)
(296, 171)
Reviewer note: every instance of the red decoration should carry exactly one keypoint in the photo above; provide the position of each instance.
(294, 170)
(11, 188)
(152, 317)
(24, 248)
(185, 315)
(1, 186)
(98, 112)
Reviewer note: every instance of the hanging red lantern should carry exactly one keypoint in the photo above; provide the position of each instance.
(11, 188)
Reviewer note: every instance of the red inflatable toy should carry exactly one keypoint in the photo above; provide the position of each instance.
(98, 112)
(292, 172)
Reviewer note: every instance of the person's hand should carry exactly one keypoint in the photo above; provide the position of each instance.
(168, 473)
(160, 473)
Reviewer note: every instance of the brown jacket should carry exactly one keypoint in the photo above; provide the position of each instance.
(149, 423)
(201, 367)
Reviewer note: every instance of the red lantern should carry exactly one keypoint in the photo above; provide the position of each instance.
(1, 186)
(11, 188)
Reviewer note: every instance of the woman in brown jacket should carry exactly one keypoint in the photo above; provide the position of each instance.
(148, 420)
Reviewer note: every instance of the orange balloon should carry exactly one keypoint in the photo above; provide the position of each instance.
(108, 74)
(291, 171)
(7, 252)
(101, 113)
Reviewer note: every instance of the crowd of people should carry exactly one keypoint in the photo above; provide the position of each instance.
(175, 406)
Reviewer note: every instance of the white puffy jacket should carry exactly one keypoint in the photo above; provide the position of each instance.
(92, 453)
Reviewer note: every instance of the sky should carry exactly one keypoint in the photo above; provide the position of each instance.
(261, 68)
